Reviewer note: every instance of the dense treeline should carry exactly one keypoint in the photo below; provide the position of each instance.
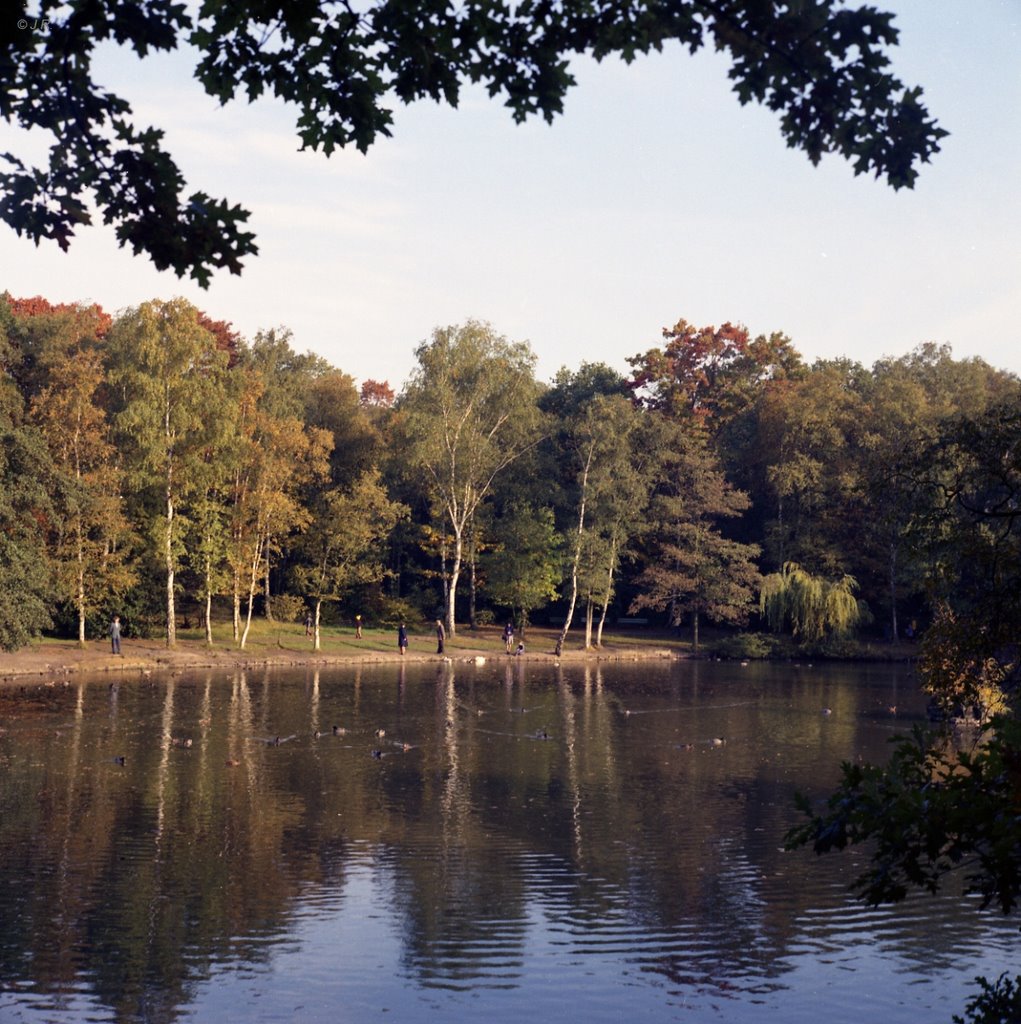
(159, 466)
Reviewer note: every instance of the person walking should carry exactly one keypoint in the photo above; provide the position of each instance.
(308, 623)
(402, 638)
(441, 635)
(358, 627)
(115, 635)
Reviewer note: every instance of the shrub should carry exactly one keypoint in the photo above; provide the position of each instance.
(834, 647)
(389, 612)
(288, 608)
(747, 645)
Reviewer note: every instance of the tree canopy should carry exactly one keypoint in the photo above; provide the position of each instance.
(821, 66)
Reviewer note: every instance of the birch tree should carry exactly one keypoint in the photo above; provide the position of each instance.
(594, 451)
(281, 458)
(168, 376)
(470, 410)
(90, 529)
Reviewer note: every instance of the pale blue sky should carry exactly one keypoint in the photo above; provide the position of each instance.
(655, 196)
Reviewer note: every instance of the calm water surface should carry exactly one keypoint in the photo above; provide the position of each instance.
(523, 842)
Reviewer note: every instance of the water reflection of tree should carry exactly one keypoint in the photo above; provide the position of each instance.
(141, 877)
(144, 878)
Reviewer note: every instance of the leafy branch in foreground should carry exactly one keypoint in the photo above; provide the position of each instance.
(998, 1003)
(821, 67)
(929, 811)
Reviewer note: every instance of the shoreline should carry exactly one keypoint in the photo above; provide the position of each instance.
(62, 659)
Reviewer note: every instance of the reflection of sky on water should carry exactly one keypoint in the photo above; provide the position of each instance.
(341, 958)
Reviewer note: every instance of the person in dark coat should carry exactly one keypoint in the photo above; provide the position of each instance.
(441, 635)
(402, 638)
(508, 637)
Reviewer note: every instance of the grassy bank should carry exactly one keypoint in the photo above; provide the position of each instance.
(285, 644)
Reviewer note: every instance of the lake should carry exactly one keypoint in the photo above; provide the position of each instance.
(459, 842)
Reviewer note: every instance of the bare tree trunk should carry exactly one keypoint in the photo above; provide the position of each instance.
(253, 576)
(169, 555)
(455, 572)
(576, 560)
(694, 632)
(169, 537)
(79, 553)
(444, 575)
(588, 622)
(81, 587)
(315, 628)
(609, 589)
(601, 623)
(209, 602)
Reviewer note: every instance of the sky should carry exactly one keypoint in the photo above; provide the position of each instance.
(656, 196)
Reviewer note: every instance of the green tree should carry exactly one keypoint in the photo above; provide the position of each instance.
(333, 403)
(621, 500)
(167, 375)
(25, 489)
(523, 569)
(210, 546)
(822, 67)
(90, 531)
(280, 457)
(24, 568)
(693, 568)
(301, 388)
(469, 412)
(936, 809)
(807, 431)
(343, 547)
(586, 437)
(897, 460)
(592, 456)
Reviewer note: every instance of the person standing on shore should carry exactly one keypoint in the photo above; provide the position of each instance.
(358, 627)
(508, 637)
(115, 635)
(402, 638)
(441, 635)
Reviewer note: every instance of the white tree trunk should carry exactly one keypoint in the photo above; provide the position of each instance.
(576, 560)
(169, 554)
(455, 572)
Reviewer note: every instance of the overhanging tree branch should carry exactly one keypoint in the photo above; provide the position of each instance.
(820, 65)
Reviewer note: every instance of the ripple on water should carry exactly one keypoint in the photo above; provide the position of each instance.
(605, 874)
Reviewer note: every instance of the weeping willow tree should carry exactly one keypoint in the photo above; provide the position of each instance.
(810, 605)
